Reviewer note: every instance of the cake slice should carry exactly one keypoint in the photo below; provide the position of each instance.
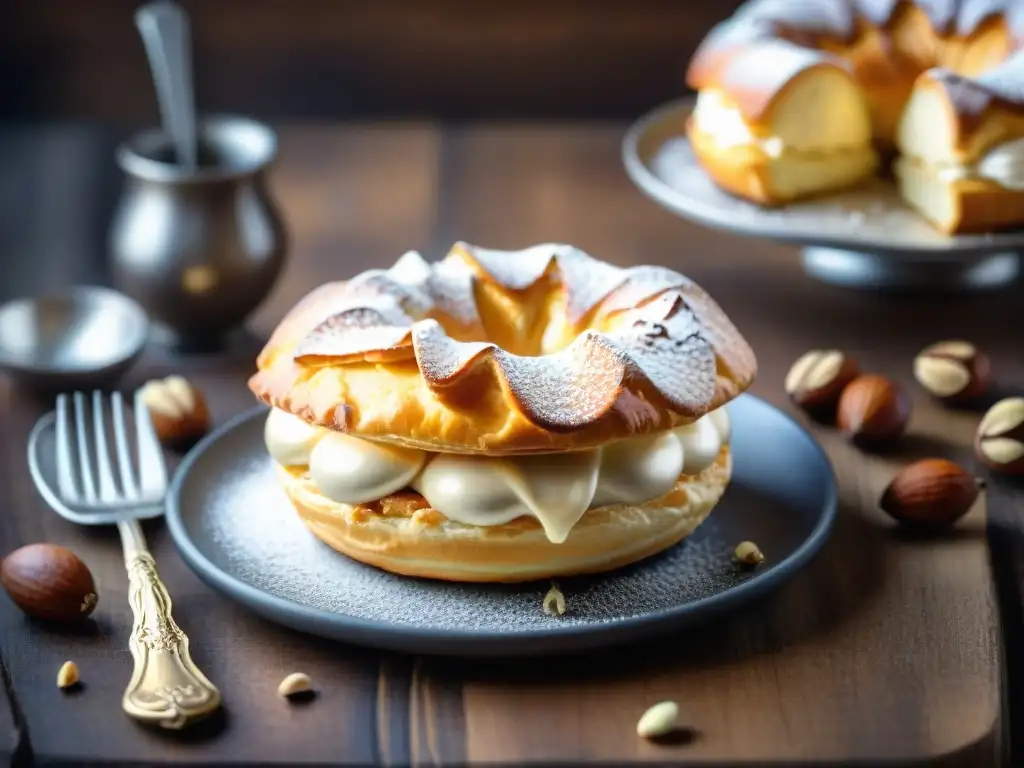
(961, 142)
(776, 122)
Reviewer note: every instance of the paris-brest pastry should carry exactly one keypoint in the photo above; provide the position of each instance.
(802, 97)
(503, 416)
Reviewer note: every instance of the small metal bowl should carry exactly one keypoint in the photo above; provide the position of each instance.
(85, 338)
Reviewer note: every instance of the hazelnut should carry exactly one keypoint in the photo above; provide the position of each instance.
(818, 378)
(67, 675)
(873, 411)
(952, 371)
(49, 582)
(931, 493)
(177, 409)
(999, 441)
(748, 553)
(295, 685)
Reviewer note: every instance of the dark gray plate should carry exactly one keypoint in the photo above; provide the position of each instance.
(238, 532)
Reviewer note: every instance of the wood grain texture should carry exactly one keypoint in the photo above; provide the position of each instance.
(885, 648)
(344, 58)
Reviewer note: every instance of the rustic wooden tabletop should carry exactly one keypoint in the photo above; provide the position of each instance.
(887, 647)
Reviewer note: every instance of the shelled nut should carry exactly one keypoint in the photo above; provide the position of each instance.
(177, 409)
(999, 441)
(953, 371)
(818, 378)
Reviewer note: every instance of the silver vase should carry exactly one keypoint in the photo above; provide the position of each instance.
(198, 249)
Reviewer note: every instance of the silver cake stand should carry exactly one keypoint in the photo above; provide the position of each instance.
(865, 238)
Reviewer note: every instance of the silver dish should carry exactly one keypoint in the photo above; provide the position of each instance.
(865, 238)
(85, 338)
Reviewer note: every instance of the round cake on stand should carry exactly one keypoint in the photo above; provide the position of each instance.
(867, 237)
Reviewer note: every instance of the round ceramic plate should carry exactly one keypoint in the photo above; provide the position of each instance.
(236, 529)
(872, 218)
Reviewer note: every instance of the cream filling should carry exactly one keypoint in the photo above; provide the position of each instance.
(715, 116)
(1003, 164)
(556, 489)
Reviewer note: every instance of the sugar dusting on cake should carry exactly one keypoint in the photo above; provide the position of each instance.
(657, 336)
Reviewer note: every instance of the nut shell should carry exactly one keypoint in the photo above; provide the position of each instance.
(49, 582)
(818, 378)
(930, 493)
(999, 441)
(873, 411)
(953, 371)
(178, 410)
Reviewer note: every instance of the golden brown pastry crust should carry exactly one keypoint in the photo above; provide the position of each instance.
(402, 534)
(741, 169)
(885, 54)
(384, 395)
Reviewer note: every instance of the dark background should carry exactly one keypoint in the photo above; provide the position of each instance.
(74, 81)
(324, 59)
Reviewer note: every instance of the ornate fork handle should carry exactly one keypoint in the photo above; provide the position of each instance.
(166, 687)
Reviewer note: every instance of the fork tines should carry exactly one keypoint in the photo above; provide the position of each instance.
(85, 470)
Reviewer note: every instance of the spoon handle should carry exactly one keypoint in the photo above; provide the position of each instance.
(164, 27)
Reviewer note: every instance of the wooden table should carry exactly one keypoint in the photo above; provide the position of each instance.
(886, 647)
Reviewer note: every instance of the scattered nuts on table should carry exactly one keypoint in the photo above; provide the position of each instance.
(49, 582)
(953, 371)
(999, 441)
(67, 675)
(554, 602)
(818, 378)
(295, 684)
(659, 720)
(931, 493)
(177, 409)
(748, 553)
(873, 411)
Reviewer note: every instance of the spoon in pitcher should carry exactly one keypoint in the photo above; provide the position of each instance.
(166, 35)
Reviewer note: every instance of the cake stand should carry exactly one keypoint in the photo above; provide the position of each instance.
(864, 238)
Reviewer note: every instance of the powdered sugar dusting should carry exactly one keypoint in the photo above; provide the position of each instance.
(353, 331)
(667, 345)
(440, 357)
(661, 340)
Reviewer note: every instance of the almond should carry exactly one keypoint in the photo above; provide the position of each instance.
(873, 411)
(49, 582)
(953, 371)
(818, 378)
(931, 493)
(999, 441)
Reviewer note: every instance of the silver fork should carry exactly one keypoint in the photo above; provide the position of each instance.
(166, 686)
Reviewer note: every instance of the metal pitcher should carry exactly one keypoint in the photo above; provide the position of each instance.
(199, 249)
